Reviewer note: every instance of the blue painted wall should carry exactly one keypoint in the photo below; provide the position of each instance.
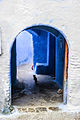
(24, 48)
(31, 48)
(40, 47)
(52, 55)
(60, 56)
(44, 43)
(56, 55)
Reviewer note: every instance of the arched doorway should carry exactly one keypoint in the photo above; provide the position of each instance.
(50, 56)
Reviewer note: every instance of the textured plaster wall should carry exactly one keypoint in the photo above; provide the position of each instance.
(15, 15)
(40, 48)
(44, 52)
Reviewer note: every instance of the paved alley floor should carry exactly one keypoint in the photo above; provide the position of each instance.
(39, 102)
(43, 94)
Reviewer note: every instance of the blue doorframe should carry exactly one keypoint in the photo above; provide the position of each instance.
(52, 55)
(60, 57)
(13, 69)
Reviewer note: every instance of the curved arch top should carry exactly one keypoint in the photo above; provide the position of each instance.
(47, 28)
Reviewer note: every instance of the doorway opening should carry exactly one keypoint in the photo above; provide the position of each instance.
(39, 67)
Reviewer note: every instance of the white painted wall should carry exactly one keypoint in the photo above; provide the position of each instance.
(0, 41)
(15, 15)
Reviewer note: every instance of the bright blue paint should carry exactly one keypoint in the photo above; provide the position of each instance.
(32, 48)
(46, 28)
(60, 51)
(42, 68)
(40, 47)
(44, 53)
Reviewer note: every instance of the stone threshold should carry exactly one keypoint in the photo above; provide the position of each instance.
(38, 109)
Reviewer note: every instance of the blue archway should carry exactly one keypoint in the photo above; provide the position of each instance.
(55, 57)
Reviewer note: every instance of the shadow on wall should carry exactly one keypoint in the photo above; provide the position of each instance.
(24, 48)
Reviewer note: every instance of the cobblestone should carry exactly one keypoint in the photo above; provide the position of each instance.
(31, 110)
(41, 109)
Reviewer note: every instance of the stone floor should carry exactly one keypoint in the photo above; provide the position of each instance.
(44, 94)
(49, 115)
(39, 102)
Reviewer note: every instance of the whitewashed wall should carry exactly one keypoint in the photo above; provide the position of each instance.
(0, 41)
(15, 15)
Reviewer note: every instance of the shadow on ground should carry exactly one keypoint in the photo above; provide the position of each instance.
(43, 94)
